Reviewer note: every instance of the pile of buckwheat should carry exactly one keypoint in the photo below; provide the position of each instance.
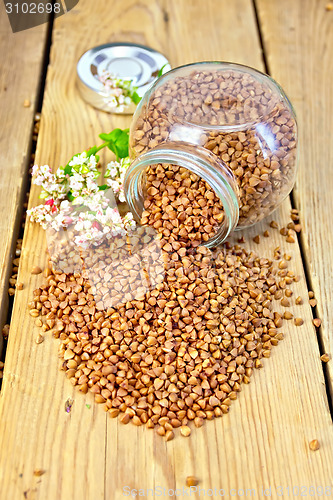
(171, 352)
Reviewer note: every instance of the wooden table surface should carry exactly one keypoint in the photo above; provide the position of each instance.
(264, 442)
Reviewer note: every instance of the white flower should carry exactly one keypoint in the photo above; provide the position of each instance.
(112, 170)
(118, 92)
(75, 184)
(65, 205)
(78, 159)
(60, 173)
(92, 163)
(115, 175)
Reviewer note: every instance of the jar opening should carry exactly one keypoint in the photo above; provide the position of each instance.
(199, 162)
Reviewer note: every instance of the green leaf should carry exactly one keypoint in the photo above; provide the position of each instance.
(115, 134)
(103, 187)
(92, 151)
(105, 137)
(112, 148)
(121, 143)
(117, 142)
(160, 73)
(68, 169)
(70, 196)
(135, 98)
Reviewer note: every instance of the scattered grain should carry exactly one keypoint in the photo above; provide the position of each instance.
(191, 481)
(169, 435)
(5, 331)
(113, 412)
(39, 338)
(314, 445)
(185, 430)
(39, 472)
(124, 418)
(36, 270)
(34, 313)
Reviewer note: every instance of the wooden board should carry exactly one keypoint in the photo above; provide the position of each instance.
(298, 40)
(20, 72)
(263, 442)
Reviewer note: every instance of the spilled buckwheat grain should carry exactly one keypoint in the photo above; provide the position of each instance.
(177, 353)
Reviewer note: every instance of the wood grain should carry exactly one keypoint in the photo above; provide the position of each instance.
(298, 40)
(263, 442)
(20, 71)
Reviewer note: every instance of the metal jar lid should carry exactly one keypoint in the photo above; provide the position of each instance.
(127, 61)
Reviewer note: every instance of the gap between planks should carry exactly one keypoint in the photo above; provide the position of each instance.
(24, 188)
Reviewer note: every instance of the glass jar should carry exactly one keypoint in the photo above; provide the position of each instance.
(229, 124)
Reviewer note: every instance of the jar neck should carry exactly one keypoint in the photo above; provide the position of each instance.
(201, 162)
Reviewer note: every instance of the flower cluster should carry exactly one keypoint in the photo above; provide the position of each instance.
(119, 93)
(54, 185)
(74, 200)
(115, 174)
(92, 226)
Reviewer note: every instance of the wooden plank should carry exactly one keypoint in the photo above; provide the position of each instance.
(263, 442)
(20, 70)
(298, 40)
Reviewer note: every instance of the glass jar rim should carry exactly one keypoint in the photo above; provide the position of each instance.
(201, 162)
